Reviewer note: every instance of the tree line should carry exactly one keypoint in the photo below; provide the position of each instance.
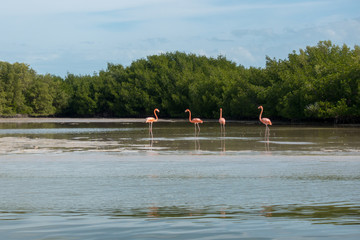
(319, 82)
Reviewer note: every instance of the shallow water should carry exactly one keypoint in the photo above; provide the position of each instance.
(116, 181)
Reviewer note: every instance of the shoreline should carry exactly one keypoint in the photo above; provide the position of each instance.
(68, 120)
(104, 120)
(142, 120)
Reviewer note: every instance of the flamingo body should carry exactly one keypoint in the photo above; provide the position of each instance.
(151, 120)
(265, 121)
(196, 121)
(222, 123)
(221, 119)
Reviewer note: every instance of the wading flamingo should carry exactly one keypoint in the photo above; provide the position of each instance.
(196, 121)
(150, 120)
(265, 121)
(222, 121)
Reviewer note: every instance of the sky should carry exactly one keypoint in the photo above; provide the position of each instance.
(82, 36)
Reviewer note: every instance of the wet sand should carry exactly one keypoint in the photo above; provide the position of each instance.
(106, 120)
(140, 120)
(22, 145)
(69, 120)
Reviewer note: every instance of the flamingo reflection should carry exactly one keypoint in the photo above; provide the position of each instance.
(267, 144)
(153, 212)
(267, 211)
(151, 142)
(197, 144)
(222, 141)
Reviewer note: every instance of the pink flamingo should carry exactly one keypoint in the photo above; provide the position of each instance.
(196, 121)
(222, 121)
(265, 121)
(150, 120)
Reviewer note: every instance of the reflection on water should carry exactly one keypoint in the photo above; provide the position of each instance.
(346, 214)
(168, 138)
(322, 214)
(223, 144)
(114, 180)
(341, 215)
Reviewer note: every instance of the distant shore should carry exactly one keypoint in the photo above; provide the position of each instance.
(106, 120)
(142, 120)
(68, 120)
(82, 120)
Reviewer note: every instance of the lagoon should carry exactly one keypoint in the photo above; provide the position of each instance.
(113, 180)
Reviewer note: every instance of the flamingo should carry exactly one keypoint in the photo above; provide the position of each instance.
(221, 120)
(150, 120)
(196, 121)
(265, 121)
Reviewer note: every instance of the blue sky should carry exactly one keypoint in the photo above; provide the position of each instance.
(82, 36)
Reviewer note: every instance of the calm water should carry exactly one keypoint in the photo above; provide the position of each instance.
(115, 181)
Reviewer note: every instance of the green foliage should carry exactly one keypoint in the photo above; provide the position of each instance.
(319, 82)
(40, 96)
(22, 91)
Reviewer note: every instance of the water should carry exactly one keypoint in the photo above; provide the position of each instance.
(91, 180)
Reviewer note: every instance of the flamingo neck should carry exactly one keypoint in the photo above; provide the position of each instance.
(155, 115)
(190, 116)
(261, 113)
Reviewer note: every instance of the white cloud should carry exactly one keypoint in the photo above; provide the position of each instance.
(35, 7)
(41, 58)
(241, 53)
(83, 35)
(261, 33)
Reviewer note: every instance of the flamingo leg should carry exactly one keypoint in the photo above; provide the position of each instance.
(265, 137)
(150, 128)
(267, 132)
